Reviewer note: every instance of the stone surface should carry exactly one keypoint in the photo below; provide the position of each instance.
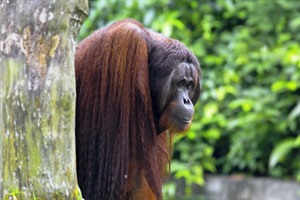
(243, 188)
(219, 187)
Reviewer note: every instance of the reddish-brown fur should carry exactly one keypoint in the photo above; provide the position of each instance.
(121, 155)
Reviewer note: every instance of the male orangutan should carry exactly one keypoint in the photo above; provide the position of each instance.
(135, 89)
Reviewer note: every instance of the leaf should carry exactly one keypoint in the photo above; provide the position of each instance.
(149, 16)
(280, 151)
(212, 133)
(167, 29)
(210, 109)
(245, 104)
(281, 85)
(297, 142)
(169, 189)
(295, 112)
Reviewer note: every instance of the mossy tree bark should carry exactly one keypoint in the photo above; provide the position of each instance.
(37, 98)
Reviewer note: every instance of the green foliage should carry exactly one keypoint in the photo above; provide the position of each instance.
(248, 118)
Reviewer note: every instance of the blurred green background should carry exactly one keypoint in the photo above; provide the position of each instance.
(248, 119)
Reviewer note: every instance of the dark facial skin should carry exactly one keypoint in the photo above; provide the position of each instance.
(176, 99)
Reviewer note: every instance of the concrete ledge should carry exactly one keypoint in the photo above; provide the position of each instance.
(219, 187)
(243, 188)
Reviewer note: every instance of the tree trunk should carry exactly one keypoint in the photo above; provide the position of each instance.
(37, 98)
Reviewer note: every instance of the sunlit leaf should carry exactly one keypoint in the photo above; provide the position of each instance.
(212, 133)
(210, 109)
(297, 142)
(280, 85)
(280, 151)
(295, 112)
